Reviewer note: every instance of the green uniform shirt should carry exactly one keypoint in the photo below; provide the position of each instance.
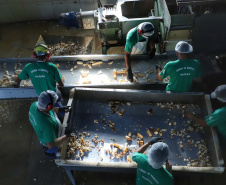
(146, 175)
(131, 39)
(182, 73)
(43, 76)
(218, 119)
(45, 124)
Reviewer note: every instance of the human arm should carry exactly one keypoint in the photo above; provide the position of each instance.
(128, 66)
(131, 40)
(197, 118)
(159, 77)
(56, 109)
(128, 49)
(58, 141)
(147, 144)
(163, 73)
(151, 48)
(22, 76)
(17, 82)
(62, 109)
(169, 167)
(61, 83)
(143, 148)
(127, 60)
(158, 71)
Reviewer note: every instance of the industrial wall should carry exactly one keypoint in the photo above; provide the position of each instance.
(33, 10)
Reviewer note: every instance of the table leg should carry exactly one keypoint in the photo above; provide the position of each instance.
(70, 176)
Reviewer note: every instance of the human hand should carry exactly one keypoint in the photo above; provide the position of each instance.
(168, 166)
(190, 115)
(155, 140)
(68, 132)
(152, 53)
(129, 75)
(16, 85)
(64, 109)
(157, 67)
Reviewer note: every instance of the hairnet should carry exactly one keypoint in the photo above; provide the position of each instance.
(183, 47)
(158, 154)
(44, 99)
(220, 93)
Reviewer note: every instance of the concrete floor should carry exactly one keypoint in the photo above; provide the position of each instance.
(22, 159)
(19, 39)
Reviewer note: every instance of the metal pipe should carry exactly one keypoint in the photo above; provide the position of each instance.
(87, 13)
(198, 2)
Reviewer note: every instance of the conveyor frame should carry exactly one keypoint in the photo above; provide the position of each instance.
(69, 165)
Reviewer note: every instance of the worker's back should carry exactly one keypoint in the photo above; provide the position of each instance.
(45, 124)
(182, 73)
(43, 75)
(147, 175)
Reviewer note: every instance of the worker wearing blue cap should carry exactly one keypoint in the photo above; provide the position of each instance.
(47, 126)
(150, 168)
(183, 71)
(43, 75)
(138, 41)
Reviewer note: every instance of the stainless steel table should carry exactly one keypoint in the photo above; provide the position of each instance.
(91, 113)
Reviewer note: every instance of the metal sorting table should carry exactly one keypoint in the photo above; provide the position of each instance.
(99, 74)
(90, 107)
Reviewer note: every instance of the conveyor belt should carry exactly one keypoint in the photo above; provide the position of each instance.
(135, 120)
(90, 108)
(99, 74)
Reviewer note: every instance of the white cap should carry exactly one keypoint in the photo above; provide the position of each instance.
(183, 47)
(158, 154)
(220, 93)
(46, 98)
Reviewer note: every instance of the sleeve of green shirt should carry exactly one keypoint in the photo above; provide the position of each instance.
(24, 73)
(135, 156)
(165, 72)
(58, 76)
(129, 46)
(130, 42)
(212, 119)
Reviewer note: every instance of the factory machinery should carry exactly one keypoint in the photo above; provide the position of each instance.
(173, 21)
(112, 117)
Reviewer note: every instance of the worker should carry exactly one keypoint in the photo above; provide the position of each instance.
(43, 75)
(150, 168)
(183, 71)
(217, 118)
(138, 41)
(43, 118)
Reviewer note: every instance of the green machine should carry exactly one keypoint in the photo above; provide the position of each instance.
(173, 21)
(114, 21)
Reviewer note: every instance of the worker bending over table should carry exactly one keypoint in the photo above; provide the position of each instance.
(47, 126)
(139, 41)
(216, 119)
(183, 71)
(43, 75)
(150, 168)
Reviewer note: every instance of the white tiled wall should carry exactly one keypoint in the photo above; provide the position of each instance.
(32, 10)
